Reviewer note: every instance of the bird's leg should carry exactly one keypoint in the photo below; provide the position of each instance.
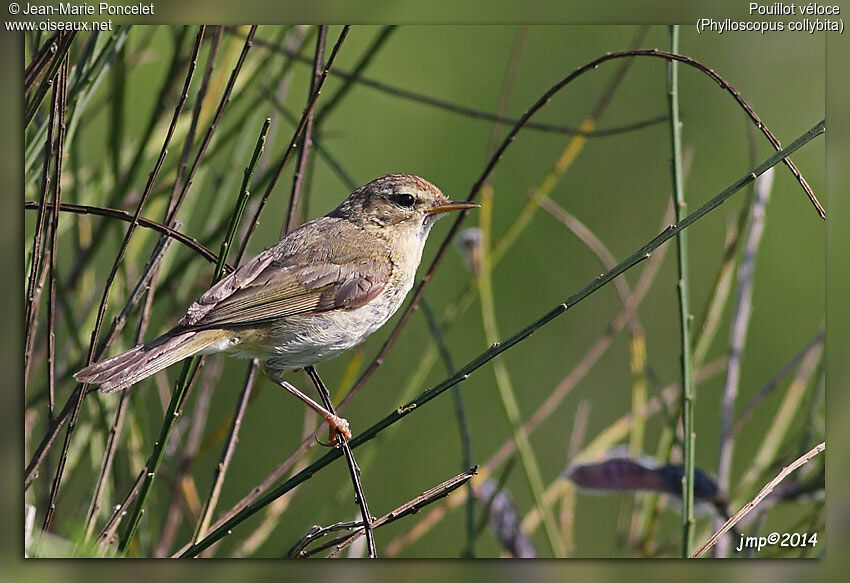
(336, 422)
(325, 395)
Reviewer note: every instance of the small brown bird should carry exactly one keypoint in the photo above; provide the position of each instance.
(322, 289)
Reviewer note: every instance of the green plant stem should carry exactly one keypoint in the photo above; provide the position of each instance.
(688, 395)
(494, 351)
(183, 381)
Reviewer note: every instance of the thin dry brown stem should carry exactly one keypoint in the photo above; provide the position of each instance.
(57, 114)
(52, 70)
(767, 489)
(177, 189)
(295, 136)
(40, 60)
(33, 296)
(307, 136)
(143, 285)
(107, 534)
(31, 472)
(60, 104)
(411, 507)
(378, 42)
(31, 329)
(83, 209)
(106, 464)
(227, 453)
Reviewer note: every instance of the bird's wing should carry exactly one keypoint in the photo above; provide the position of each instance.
(243, 276)
(280, 291)
(308, 271)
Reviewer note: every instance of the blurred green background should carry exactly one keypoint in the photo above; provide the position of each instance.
(618, 186)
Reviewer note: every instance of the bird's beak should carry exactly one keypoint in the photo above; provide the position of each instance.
(452, 205)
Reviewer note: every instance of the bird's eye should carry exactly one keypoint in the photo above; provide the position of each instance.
(405, 200)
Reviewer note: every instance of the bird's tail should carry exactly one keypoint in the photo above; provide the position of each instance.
(127, 368)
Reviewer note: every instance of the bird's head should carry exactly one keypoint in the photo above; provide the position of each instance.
(398, 202)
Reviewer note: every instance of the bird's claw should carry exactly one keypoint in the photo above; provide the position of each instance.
(338, 426)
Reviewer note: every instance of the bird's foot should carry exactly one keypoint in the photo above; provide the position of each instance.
(337, 426)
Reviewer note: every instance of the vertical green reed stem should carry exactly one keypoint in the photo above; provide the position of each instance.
(684, 308)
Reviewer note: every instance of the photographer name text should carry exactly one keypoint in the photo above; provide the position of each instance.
(99, 9)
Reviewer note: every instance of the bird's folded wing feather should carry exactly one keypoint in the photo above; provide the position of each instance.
(243, 276)
(279, 291)
(294, 277)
